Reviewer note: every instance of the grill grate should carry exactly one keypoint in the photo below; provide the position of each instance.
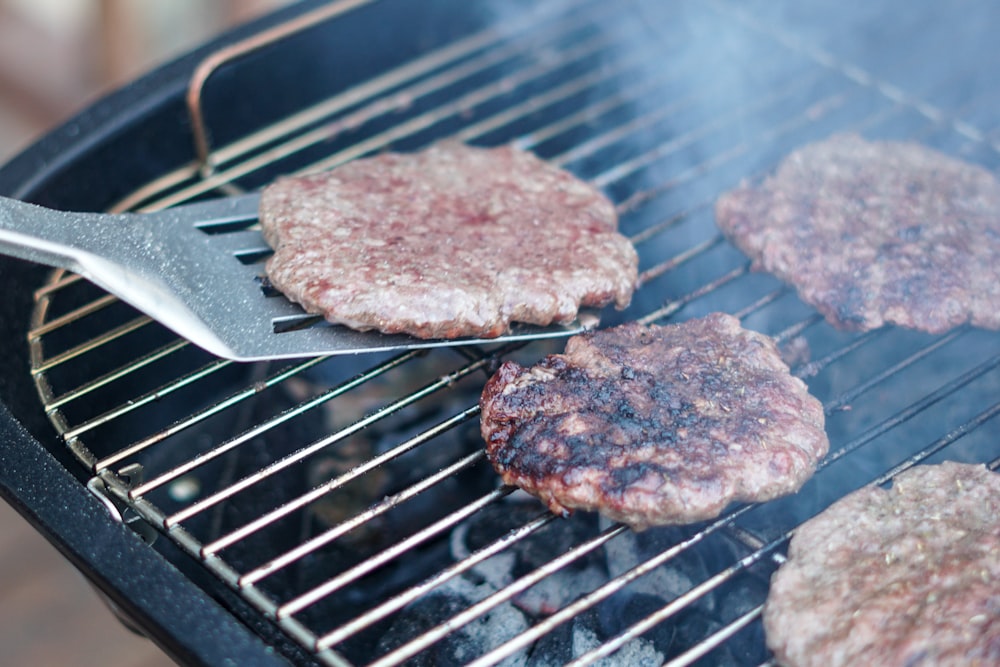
(331, 493)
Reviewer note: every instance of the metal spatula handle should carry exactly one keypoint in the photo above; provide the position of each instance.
(153, 261)
(71, 240)
(56, 238)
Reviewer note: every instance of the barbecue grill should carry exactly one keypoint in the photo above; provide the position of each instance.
(340, 511)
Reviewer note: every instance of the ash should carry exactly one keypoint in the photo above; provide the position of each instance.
(464, 645)
(596, 625)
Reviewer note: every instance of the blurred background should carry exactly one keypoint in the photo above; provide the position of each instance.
(56, 56)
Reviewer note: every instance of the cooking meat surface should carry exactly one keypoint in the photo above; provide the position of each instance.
(903, 576)
(876, 232)
(654, 425)
(451, 241)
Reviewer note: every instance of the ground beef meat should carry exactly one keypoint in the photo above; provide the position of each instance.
(654, 425)
(452, 241)
(876, 232)
(903, 576)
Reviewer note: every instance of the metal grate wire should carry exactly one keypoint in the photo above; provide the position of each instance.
(816, 94)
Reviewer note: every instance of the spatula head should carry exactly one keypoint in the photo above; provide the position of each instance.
(223, 303)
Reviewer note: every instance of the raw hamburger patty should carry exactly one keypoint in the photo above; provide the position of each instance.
(448, 242)
(654, 425)
(904, 576)
(874, 233)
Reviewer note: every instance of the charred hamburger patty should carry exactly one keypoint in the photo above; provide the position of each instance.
(876, 232)
(448, 242)
(903, 576)
(654, 425)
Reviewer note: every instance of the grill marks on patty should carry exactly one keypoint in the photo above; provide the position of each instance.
(448, 242)
(654, 425)
(902, 576)
(876, 232)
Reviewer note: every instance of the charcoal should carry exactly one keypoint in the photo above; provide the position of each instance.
(668, 581)
(465, 643)
(583, 634)
(554, 591)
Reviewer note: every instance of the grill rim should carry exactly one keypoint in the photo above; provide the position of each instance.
(39, 478)
(167, 605)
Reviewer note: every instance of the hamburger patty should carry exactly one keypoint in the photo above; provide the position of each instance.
(876, 232)
(903, 576)
(448, 242)
(654, 425)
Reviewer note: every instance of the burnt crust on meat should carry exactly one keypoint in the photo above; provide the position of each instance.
(447, 242)
(654, 425)
(908, 575)
(876, 232)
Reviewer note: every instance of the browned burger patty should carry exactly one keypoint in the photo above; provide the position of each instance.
(448, 242)
(876, 232)
(904, 576)
(654, 425)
